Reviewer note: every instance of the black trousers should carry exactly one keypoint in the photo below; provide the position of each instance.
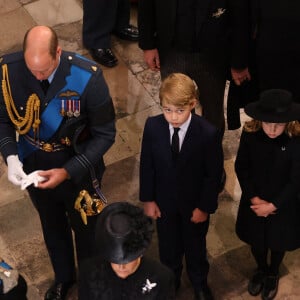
(100, 18)
(59, 219)
(210, 77)
(178, 237)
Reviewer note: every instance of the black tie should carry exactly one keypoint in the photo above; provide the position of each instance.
(175, 143)
(45, 85)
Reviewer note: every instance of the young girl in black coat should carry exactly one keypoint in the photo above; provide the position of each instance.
(268, 170)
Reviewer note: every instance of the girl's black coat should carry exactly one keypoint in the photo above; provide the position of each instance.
(270, 169)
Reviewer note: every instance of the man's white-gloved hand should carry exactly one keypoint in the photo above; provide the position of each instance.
(15, 171)
(32, 178)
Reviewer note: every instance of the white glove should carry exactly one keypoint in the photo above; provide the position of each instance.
(32, 178)
(15, 171)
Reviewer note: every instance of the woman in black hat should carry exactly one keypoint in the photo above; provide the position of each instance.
(268, 170)
(123, 233)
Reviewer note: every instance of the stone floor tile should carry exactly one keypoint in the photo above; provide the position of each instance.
(8, 6)
(14, 24)
(120, 181)
(10, 193)
(70, 37)
(129, 134)
(19, 222)
(54, 12)
(128, 93)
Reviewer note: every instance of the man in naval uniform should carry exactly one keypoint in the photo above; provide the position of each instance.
(48, 96)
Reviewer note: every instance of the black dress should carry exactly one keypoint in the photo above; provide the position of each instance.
(152, 280)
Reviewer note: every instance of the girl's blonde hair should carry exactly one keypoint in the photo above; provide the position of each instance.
(292, 128)
(178, 89)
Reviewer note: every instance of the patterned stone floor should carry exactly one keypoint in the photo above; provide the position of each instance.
(134, 92)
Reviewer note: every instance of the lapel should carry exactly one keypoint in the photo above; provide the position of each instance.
(163, 136)
(165, 132)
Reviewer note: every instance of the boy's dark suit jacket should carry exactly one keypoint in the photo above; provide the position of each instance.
(195, 178)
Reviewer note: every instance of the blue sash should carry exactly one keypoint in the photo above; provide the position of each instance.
(51, 117)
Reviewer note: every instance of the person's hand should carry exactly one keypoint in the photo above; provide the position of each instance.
(151, 58)
(15, 173)
(257, 200)
(199, 216)
(239, 76)
(32, 178)
(264, 209)
(152, 210)
(53, 178)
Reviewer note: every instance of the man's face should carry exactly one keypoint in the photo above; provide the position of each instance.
(43, 64)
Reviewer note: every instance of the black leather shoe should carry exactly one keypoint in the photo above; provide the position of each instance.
(104, 57)
(130, 33)
(204, 294)
(270, 287)
(256, 283)
(58, 291)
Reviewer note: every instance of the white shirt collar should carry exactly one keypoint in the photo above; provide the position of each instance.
(182, 132)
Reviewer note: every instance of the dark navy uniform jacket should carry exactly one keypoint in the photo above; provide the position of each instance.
(95, 104)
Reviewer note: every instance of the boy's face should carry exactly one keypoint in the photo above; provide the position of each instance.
(273, 130)
(177, 115)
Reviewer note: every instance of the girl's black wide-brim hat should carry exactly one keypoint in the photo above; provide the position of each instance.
(274, 106)
(123, 233)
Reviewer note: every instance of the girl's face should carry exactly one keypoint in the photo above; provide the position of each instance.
(177, 115)
(123, 271)
(273, 130)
